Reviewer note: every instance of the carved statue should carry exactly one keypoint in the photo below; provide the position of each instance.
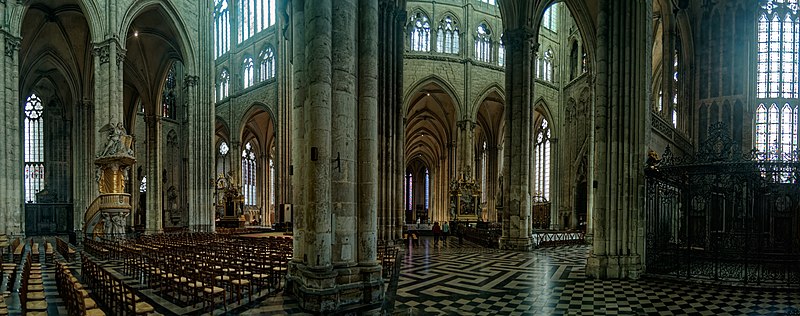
(115, 143)
(652, 161)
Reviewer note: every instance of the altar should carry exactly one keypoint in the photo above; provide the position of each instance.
(229, 203)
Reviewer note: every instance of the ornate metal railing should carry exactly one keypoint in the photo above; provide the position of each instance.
(724, 216)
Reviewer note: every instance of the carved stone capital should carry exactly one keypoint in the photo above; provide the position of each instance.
(102, 52)
(190, 81)
(12, 45)
(466, 124)
(152, 119)
(120, 56)
(518, 38)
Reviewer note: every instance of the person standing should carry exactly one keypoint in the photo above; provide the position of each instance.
(445, 231)
(437, 231)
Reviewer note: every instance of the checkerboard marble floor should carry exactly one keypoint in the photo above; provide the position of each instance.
(454, 279)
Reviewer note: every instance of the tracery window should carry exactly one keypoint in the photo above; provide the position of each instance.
(255, 16)
(222, 28)
(34, 147)
(550, 18)
(249, 175)
(420, 33)
(168, 96)
(409, 195)
(223, 149)
(547, 66)
(501, 53)
(541, 163)
(447, 37)
(247, 72)
(675, 83)
(224, 82)
(483, 43)
(427, 188)
(778, 38)
(267, 69)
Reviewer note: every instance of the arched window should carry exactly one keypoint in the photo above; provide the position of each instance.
(267, 14)
(427, 188)
(447, 37)
(501, 53)
(483, 43)
(267, 69)
(272, 183)
(420, 33)
(168, 95)
(547, 66)
(409, 195)
(34, 147)
(550, 18)
(777, 95)
(143, 185)
(224, 82)
(541, 163)
(247, 72)
(222, 28)
(249, 175)
(675, 83)
(223, 149)
(573, 61)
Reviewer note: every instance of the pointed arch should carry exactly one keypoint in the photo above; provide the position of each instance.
(185, 46)
(417, 86)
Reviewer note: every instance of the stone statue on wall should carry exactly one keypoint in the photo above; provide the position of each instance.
(116, 143)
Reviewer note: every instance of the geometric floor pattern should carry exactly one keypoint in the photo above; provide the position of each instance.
(454, 279)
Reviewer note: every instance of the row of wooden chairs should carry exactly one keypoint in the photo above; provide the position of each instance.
(75, 297)
(115, 294)
(17, 247)
(31, 291)
(65, 249)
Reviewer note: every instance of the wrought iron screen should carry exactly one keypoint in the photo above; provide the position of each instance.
(723, 215)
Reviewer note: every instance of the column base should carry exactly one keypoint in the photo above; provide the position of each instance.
(329, 290)
(519, 244)
(614, 267)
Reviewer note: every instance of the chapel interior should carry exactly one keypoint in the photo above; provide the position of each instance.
(400, 157)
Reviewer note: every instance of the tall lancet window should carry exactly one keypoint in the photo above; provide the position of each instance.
(34, 147)
(447, 37)
(501, 53)
(420, 33)
(223, 84)
(541, 163)
(547, 66)
(427, 188)
(778, 38)
(247, 72)
(267, 69)
(483, 43)
(675, 83)
(222, 28)
(249, 175)
(409, 194)
(169, 97)
(550, 18)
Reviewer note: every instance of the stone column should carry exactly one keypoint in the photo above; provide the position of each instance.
(153, 222)
(491, 182)
(622, 91)
(11, 221)
(556, 213)
(299, 151)
(466, 148)
(200, 113)
(517, 161)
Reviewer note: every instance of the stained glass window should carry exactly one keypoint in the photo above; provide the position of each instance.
(501, 53)
(143, 185)
(247, 72)
(168, 96)
(255, 16)
(224, 82)
(34, 147)
(447, 37)
(420, 33)
(483, 43)
(223, 148)
(547, 66)
(541, 156)
(675, 83)
(222, 28)
(778, 38)
(409, 196)
(550, 18)
(267, 69)
(249, 175)
(427, 188)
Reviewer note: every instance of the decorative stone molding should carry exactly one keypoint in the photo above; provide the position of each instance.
(120, 56)
(466, 124)
(152, 119)
(516, 38)
(12, 45)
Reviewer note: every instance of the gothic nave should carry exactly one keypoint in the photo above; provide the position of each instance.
(296, 156)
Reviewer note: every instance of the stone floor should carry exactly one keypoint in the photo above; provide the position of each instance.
(453, 279)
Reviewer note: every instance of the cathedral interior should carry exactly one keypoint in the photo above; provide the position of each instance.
(400, 157)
